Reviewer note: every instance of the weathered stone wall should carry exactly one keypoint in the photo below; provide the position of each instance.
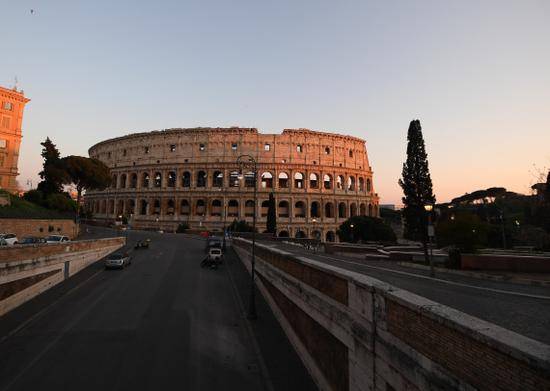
(26, 271)
(378, 337)
(39, 227)
(309, 207)
(512, 263)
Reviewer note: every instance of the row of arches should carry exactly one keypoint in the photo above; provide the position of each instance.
(235, 179)
(215, 207)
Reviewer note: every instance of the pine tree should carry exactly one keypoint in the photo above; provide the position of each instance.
(417, 186)
(53, 175)
(271, 215)
(547, 189)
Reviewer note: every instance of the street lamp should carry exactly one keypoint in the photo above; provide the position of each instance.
(220, 176)
(247, 161)
(351, 231)
(429, 208)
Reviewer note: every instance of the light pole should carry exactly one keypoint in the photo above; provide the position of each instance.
(351, 232)
(220, 176)
(429, 208)
(247, 161)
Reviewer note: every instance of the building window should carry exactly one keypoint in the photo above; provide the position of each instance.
(299, 148)
(234, 146)
(172, 147)
(350, 153)
(109, 155)
(327, 151)
(146, 150)
(123, 152)
(267, 147)
(202, 147)
(3, 143)
(7, 106)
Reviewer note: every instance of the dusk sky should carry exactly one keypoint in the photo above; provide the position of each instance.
(476, 74)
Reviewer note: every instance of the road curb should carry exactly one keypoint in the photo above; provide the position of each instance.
(481, 276)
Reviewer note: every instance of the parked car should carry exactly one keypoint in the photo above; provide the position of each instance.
(11, 239)
(142, 244)
(3, 242)
(57, 239)
(32, 240)
(117, 261)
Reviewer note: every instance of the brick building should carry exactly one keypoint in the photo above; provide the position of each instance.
(12, 104)
(162, 178)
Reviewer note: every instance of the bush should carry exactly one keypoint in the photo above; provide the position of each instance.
(182, 227)
(34, 196)
(60, 202)
(366, 228)
(466, 232)
(240, 226)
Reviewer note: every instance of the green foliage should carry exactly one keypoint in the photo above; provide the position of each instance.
(365, 228)
(182, 227)
(240, 226)
(60, 202)
(34, 196)
(390, 216)
(466, 232)
(53, 174)
(416, 184)
(482, 195)
(21, 208)
(271, 216)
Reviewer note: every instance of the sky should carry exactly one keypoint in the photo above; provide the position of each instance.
(476, 74)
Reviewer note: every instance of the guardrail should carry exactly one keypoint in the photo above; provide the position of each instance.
(354, 332)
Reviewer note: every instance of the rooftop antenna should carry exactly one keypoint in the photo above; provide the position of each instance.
(15, 83)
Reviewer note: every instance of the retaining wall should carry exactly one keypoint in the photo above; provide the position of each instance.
(39, 227)
(513, 263)
(26, 271)
(354, 332)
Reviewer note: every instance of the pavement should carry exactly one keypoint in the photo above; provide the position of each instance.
(524, 309)
(160, 324)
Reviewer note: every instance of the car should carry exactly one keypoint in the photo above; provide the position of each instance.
(213, 242)
(32, 240)
(215, 254)
(11, 239)
(118, 261)
(57, 239)
(142, 244)
(3, 242)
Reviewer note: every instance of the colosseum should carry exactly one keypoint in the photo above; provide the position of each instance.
(164, 178)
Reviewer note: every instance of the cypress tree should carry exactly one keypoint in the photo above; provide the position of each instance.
(271, 215)
(53, 174)
(417, 186)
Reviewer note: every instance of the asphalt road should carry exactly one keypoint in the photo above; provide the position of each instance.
(520, 308)
(160, 324)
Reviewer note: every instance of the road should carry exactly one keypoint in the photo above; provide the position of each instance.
(520, 308)
(160, 324)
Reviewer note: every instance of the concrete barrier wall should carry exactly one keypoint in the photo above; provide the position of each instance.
(513, 263)
(26, 271)
(354, 332)
(39, 227)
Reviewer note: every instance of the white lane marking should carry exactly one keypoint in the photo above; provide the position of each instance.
(438, 279)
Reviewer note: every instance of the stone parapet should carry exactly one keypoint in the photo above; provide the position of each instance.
(378, 337)
(39, 227)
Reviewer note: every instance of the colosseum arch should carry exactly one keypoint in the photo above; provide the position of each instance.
(267, 180)
(313, 181)
(186, 179)
(327, 182)
(233, 208)
(283, 180)
(216, 208)
(283, 209)
(300, 209)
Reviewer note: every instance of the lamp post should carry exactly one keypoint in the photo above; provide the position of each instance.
(351, 232)
(247, 161)
(429, 208)
(224, 211)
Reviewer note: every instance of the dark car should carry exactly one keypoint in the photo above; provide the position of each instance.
(32, 240)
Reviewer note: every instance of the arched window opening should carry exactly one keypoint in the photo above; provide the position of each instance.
(370, 210)
(185, 208)
(201, 179)
(233, 208)
(143, 208)
(353, 210)
(186, 179)
(133, 181)
(200, 209)
(249, 208)
(283, 234)
(315, 209)
(158, 179)
(340, 182)
(123, 181)
(249, 179)
(265, 208)
(300, 235)
(234, 179)
(351, 183)
(171, 179)
(267, 180)
(313, 180)
(361, 184)
(114, 183)
(368, 185)
(156, 207)
(283, 180)
(217, 179)
(216, 209)
(362, 209)
(327, 181)
(300, 209)
(171, 206)
(329, 209)
(342, 210)
(299, 180)
(283, 209)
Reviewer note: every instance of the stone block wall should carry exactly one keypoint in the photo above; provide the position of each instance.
(512, 263)
(39, 227)
(26, 271)
(354, 332)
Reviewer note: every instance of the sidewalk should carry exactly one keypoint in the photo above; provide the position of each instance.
(535, 279)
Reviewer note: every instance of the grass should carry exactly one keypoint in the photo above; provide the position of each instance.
(22, 209)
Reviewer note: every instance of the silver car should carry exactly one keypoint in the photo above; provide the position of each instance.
(117, 261)
(10, 239)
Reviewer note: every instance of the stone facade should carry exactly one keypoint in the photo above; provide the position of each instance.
(12, 104)
(39, 227)
(162, 178)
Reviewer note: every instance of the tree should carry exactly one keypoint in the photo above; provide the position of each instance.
(53, 175)
(271, 215)
(240, 226)
(417, 187)
(86, 174)
(547, 190)
(466, 231)
(365, 228)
